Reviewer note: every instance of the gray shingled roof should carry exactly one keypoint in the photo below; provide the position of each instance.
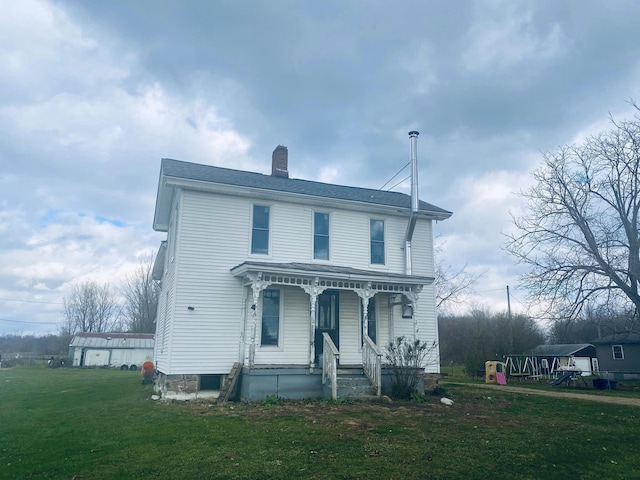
(226, 176)
(564, 349)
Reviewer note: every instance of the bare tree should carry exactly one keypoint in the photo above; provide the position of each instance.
(141, 293)
(452, 283)
(593, 323)
(579, 237)
(90, 307)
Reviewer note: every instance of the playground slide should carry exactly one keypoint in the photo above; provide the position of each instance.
(564, 377)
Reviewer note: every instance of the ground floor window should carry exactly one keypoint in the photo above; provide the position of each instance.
(270, 318)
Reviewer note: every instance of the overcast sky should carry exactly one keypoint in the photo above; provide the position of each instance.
(94, 94)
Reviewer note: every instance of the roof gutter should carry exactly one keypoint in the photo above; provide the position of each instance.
(415, 202)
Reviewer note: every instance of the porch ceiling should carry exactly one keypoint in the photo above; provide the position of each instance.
(330, 273)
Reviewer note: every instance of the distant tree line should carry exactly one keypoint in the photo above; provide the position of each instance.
(480, 336)
(43, 346)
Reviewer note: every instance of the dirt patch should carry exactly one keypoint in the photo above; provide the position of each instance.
(635, 402)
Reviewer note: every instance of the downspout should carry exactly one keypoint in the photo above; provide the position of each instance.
(413, 138)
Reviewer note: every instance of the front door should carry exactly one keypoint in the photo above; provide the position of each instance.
(328, 319)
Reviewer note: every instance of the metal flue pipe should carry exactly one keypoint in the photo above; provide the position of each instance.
(415, 202)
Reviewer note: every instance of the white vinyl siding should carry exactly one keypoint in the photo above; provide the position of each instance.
(213, 235)
(350, 350)
(291, 227)
(213, 239)
(422, 249)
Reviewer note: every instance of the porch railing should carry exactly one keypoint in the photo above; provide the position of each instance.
(330, 355)
(372, 363)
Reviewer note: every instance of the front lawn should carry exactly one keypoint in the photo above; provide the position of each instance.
(102, 424)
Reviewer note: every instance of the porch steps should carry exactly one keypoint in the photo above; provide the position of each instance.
(353, 383)
(229, 384)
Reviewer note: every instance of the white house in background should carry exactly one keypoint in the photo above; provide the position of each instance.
(289, 279)
(127, 351)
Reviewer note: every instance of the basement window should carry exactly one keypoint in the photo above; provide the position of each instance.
(210, 382)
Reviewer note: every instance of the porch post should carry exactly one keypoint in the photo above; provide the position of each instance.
(365, 295)
(313, 291)
(257, 285)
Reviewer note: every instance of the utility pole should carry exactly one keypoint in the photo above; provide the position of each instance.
(510, 322)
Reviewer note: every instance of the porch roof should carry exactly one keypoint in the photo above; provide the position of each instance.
(331, 272)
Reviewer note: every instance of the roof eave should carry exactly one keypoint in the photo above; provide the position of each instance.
(164, 199)
(375, 277)
(268, 194)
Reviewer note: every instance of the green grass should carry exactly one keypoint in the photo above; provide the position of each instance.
(101, 424)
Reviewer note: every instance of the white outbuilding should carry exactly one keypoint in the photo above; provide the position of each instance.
(127, 351)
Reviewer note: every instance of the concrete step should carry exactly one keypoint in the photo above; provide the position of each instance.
(354, 386)
(357, 371)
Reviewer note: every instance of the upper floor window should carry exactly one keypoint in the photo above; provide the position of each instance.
(376, 229)
(260, 230)
(270, 318)
(618, 352)
(321, 236)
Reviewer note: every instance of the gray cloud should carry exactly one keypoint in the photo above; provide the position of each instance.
(93, 94)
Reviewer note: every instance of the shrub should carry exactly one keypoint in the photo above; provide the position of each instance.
(406, 359)
(271, 400)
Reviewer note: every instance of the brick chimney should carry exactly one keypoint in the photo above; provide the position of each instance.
(280, 162)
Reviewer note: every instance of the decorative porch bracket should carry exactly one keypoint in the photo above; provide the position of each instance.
(365, 295)
(257, 286)
(313, 291)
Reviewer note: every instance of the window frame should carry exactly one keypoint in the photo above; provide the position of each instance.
(377, 242)
(278, 344)
(316, 235)
(613, 352)
(254, 229)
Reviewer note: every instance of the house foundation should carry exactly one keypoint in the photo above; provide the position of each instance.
(257, 383)
(181, 387)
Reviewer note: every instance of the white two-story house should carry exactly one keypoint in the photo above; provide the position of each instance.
(290, 279)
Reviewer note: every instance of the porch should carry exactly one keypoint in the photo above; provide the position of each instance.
(303, 325)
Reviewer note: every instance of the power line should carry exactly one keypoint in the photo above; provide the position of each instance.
(31, 301)
(490, 290)
(397, 173)
(403, 180)
(27, 321)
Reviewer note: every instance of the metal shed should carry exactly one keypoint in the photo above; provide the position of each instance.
(127, 351)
